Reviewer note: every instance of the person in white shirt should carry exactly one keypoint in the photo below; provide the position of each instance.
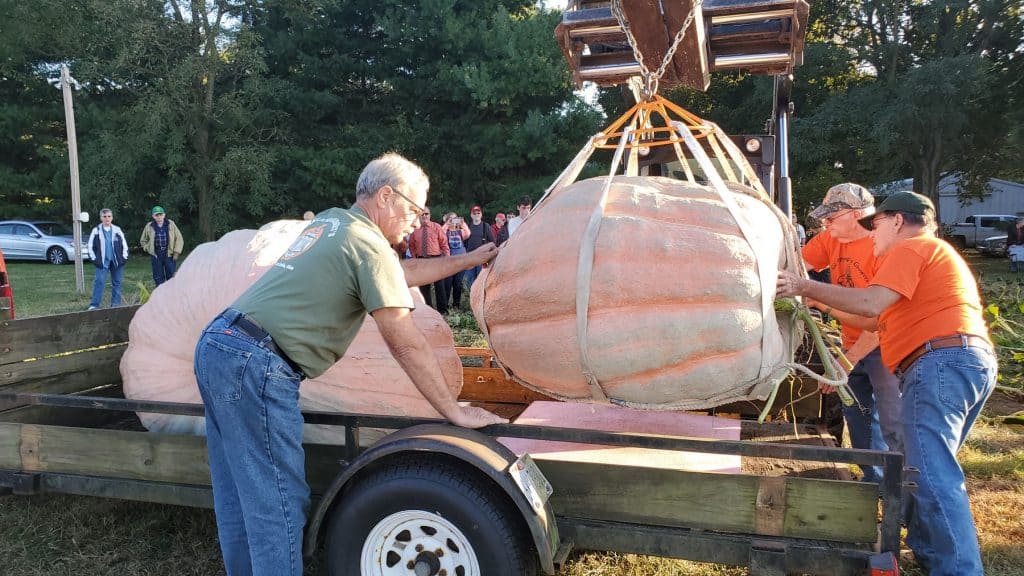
(525, 204)
(108, 249)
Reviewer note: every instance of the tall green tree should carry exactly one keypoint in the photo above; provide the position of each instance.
(477, 92)
(233, 112)
(937, 95)
(196, 133)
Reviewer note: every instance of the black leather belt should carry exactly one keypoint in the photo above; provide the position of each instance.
(954, 341)
(257, 333)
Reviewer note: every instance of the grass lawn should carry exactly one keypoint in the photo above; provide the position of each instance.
(40, 288)
(67, 535)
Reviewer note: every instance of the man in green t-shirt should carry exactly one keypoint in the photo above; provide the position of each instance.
(295, 322)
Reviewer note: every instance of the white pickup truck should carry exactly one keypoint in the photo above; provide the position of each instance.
(975, 228)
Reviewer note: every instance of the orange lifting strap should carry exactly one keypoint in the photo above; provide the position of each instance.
(644, 134)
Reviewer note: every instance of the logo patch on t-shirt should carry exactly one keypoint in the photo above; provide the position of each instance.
(305, 241)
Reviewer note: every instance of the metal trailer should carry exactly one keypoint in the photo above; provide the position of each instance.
(430, 498)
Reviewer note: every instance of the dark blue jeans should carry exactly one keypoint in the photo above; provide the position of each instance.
(453, 288)
(254, 443)
(471, 276)
(874, 422)
(163, 268)
(100, 283)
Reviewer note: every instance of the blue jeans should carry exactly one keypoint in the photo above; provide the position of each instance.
(163, 268)
(254, 442)
(116, 274)
(453, 288)
(471, 275)
(943, 393)
(874, 422)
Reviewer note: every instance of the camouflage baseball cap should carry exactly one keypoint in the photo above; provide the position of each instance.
(844, 197)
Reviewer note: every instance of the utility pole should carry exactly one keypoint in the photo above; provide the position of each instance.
(76, 199)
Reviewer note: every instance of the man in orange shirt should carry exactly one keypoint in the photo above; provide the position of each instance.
(846, 250)
(934, 337)
(430, 242)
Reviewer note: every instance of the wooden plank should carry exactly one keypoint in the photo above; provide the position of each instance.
(652, 39)
(84, 379)
(847, 513)
(822, 509)
(770, 517)
(137, 490)
(118, 454)
(691, 59)
(491, 385)
(10, 441)
(46, 335)
(132, 455)
(96, 363)
(464, 351)
(651, 496)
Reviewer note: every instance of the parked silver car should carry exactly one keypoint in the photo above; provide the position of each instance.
(39, 240)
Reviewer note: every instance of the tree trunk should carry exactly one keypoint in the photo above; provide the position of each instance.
(927, 171)
(204, 86)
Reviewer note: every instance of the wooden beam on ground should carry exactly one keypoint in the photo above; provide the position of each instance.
(797, 507)
(47, 335)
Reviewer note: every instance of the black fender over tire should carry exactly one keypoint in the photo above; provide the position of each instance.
(438, 487)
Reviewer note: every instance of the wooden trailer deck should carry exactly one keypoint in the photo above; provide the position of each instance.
(797, 487)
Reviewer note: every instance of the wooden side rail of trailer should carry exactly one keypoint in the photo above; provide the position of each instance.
(65, 427)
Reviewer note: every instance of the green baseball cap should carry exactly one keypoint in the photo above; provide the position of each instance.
(158, 210)
(909, 202)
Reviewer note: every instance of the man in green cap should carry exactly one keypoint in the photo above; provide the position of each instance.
(924, 301)
(164, 243)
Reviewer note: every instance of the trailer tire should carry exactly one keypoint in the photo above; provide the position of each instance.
(395, 519)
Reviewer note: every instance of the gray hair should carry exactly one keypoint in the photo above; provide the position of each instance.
(926, 221)
(391, 169)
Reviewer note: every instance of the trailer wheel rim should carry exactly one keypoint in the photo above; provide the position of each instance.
(417, 543)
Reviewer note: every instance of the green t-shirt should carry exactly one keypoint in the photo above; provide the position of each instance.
(314, 299)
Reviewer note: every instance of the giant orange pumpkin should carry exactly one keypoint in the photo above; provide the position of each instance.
(162, 337)
(677, 296)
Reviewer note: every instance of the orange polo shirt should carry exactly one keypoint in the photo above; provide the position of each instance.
(939, 297)
(851, 265)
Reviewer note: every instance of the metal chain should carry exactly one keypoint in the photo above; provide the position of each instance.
(651, 79)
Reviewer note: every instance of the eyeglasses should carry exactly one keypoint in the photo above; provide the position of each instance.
(877, 219)
(830, 219)
(417, 209)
